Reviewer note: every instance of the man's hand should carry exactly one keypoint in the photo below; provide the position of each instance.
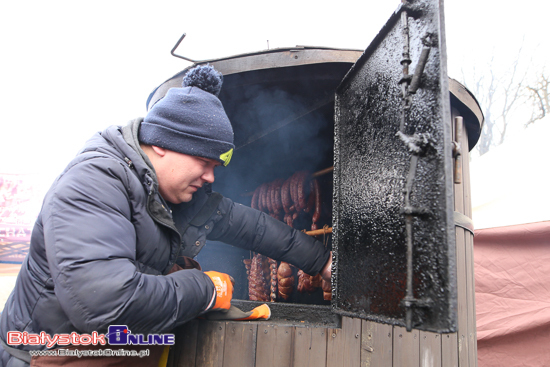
(224, 289)
(326, 273)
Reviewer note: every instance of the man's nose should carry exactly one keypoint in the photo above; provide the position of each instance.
(208, 175)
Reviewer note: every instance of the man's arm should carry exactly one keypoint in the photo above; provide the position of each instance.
(91, 248)
(251, 229)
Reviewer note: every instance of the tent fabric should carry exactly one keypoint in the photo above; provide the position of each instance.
(512, 272)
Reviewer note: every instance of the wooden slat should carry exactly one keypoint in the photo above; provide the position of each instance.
(430, 349)
(344, 345)
(310, 347)
(376, 344)
(210, 344)
(240, 344)
(470, 282)
(406, 347)
(449, 350)
(274, 346)
(466, 174)
(462, 291)
(183, 352)
(472, 328)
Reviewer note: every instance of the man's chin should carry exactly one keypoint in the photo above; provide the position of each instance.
(186, 198)
(183, 199)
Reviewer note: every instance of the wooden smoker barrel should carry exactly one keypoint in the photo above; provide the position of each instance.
(353, 342)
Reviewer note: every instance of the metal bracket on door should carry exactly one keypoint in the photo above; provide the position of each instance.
(418, 145)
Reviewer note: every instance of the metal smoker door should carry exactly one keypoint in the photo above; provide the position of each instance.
(394, 240)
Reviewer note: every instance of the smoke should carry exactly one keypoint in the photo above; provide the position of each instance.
(277, 132)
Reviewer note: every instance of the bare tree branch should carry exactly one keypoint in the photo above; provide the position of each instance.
(512, 92)
(501, 95)
(539, 94)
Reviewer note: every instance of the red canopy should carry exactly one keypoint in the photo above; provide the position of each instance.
(512, 271)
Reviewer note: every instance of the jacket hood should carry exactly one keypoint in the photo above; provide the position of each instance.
(121, 142)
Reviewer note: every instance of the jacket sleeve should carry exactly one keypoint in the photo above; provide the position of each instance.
(91, 249)
(251, 229)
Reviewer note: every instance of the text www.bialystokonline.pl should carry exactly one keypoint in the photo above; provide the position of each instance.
(90, 353)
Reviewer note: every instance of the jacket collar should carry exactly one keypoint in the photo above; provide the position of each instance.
(140, 161)
(158, 208)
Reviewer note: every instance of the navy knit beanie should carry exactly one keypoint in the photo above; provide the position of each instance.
(191, 119)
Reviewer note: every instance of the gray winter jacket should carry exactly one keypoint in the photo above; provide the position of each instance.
(105, 240)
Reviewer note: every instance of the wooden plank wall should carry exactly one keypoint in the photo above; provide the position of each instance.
(358, 343)
(202, 343)
(467, 335)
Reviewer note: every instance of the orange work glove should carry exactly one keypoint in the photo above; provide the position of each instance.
(224, 289)
(260, 312)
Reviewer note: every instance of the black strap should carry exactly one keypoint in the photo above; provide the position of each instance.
(463, 221)
(17, 353)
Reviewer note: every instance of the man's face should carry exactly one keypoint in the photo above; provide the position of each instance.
(181, 175)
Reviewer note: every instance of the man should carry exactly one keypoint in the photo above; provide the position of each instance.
(133, 206)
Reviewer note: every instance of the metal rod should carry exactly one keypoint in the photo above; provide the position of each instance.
(318, 232)
(457, 151)
(176, 46)
(322, 172)
(313, 175)
(405, 62)
(419, 70)
(408, 226)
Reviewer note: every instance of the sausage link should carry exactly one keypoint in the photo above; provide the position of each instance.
(284, 270)
(327, 290)
(302, 186)
(285, 196)
(254, 202)
(286, 292)
(285, 280)
(276, 196)
(304, 282)
(268, 198)
(317, 281)
(311, 198)
(261, 200)
(261, 195)
(318, 203)
(294, 189)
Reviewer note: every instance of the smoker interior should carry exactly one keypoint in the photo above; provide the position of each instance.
(283, 119)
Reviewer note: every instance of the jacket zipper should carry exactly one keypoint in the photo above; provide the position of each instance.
(160, 221)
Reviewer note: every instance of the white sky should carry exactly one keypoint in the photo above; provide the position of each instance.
(71, 68)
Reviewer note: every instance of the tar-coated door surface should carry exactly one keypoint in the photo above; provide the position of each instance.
(393, 238)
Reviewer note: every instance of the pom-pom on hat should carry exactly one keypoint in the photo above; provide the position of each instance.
(191, 119)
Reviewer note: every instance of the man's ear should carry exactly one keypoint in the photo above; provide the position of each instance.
(160, 151)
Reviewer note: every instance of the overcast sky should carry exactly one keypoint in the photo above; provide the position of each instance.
(71, 68)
